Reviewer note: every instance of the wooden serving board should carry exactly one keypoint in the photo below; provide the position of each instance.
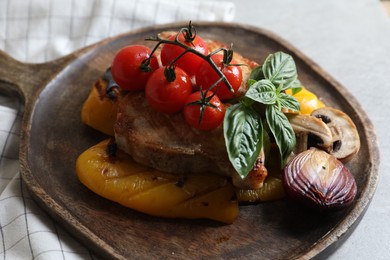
(53, 137)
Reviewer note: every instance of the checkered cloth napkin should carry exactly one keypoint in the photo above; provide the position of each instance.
(42, 30)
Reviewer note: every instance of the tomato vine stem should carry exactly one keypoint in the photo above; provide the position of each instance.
(188, 32)
(204, 101)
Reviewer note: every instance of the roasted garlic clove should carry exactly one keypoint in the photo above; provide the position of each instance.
(319, 180)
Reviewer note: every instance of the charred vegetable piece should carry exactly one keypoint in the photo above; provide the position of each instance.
(319, 180)
(346, 140)
(255, 178)
(100, 108)
(272, 189)
(310, 131)
(117, 177)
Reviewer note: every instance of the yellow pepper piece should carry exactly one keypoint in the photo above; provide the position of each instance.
(99, 111)
(121, 179)
(272, 190)
(308, 101)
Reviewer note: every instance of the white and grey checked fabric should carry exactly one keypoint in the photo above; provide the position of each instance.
(69, 25)
(42, 30)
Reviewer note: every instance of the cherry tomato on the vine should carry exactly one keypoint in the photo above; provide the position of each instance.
(168, 97)
(213, 111)
(189, 62)
(206, 76)
(126, 67)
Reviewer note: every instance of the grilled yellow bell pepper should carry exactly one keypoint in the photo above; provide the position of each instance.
(120, 179)
(272, 189)
(99, 110)
(307, 100)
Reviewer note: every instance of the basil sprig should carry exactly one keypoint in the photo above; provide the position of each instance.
(243, 133)
(243, 129)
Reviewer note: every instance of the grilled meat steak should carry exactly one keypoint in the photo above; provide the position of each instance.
(167, 142)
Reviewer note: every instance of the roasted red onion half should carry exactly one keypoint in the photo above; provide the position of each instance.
(319, 180)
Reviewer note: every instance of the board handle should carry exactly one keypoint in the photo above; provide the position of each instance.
(27, 79)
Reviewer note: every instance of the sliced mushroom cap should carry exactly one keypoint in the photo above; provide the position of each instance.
(346, 141)
(306, 126)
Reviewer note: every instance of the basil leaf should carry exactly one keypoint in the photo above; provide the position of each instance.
(280, 69)
(281, 130)
(243, 134)
(262, 91)
(257, 73)
(296, 90)
(296, 84)
(288, 102)
(250, 82)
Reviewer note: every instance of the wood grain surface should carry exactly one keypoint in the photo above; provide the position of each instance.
(53, 136)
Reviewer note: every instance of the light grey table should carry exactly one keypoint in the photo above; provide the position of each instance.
(351, 41)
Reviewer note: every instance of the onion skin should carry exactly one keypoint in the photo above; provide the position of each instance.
(318, 180)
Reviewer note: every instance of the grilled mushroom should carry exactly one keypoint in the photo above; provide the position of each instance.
(346, 141)
(310, 131)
